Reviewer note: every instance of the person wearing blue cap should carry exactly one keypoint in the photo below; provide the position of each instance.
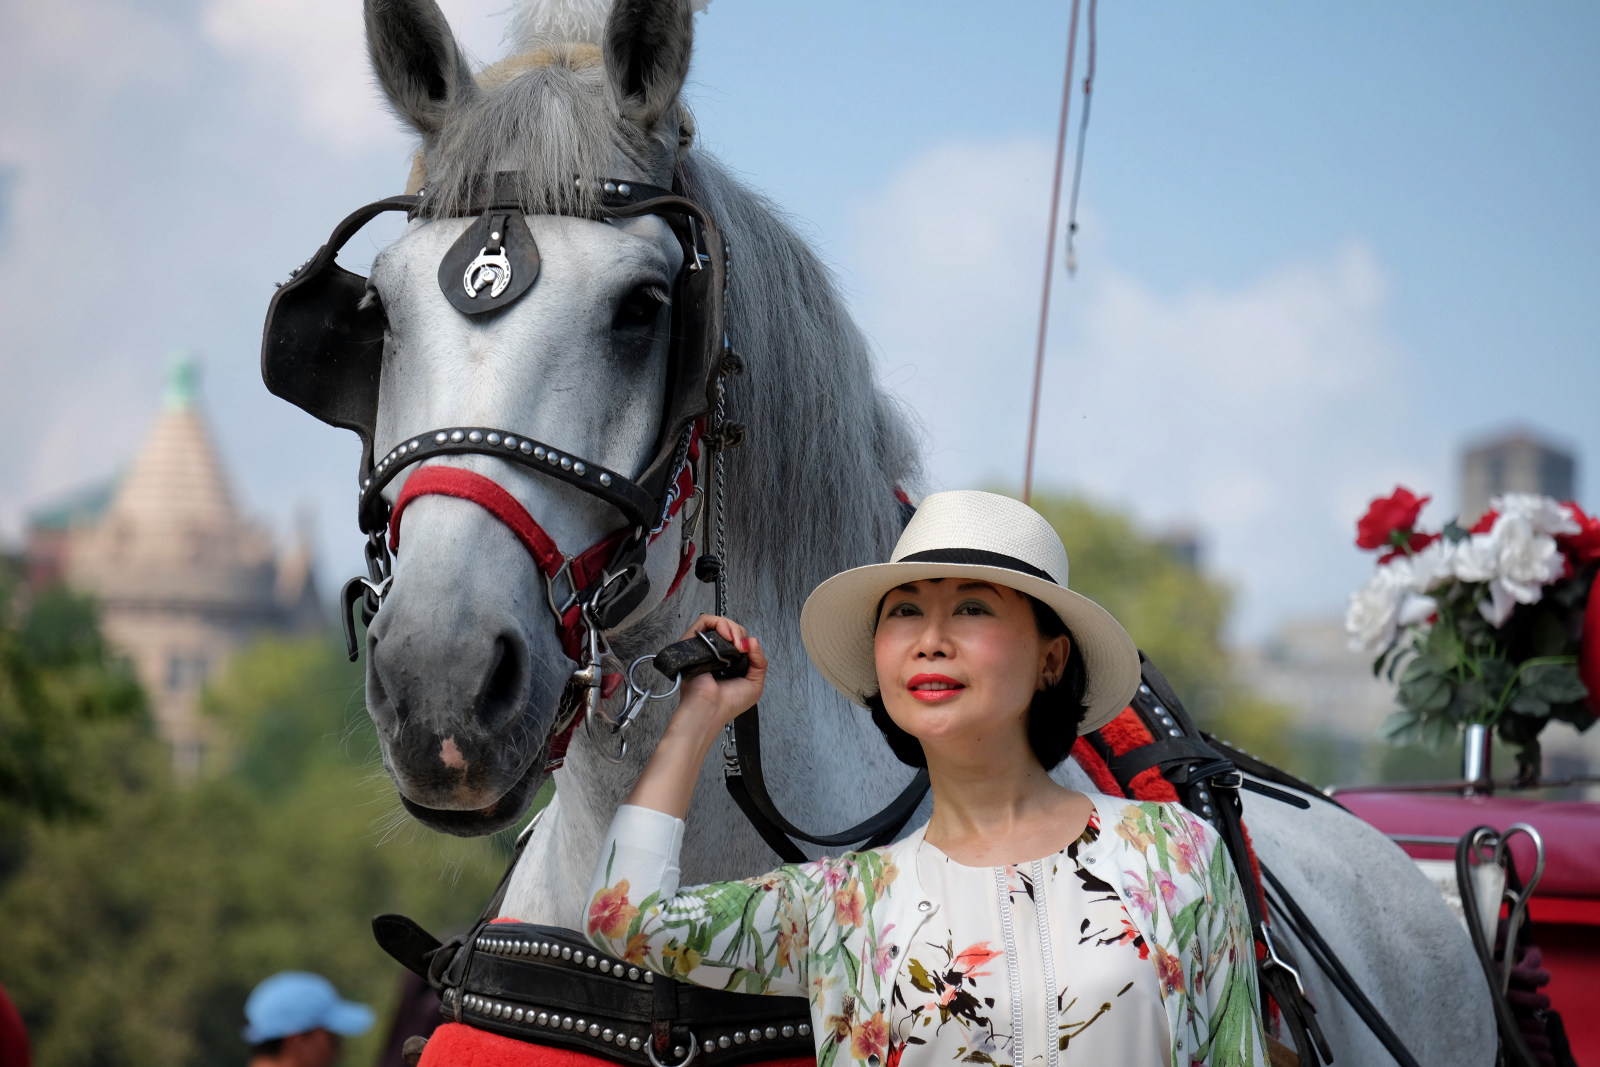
(297, 1019)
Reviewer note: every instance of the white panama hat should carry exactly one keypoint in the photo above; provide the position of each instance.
(968, 534)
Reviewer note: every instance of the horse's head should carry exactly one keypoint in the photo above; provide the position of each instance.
(466, 660)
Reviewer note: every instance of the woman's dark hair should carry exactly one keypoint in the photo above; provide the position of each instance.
(1053, 717)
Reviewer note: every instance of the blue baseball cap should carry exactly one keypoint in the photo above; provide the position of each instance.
(294, 1002)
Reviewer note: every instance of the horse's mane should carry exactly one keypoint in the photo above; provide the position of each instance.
(825, 448)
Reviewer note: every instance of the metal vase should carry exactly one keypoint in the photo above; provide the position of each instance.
(1476, 758)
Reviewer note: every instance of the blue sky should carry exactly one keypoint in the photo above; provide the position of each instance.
(1321, 247)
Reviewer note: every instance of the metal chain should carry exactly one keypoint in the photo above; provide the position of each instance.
(719, 540)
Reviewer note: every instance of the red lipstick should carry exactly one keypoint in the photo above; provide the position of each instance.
(932, 688)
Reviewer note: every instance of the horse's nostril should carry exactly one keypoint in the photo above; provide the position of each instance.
(505, 690)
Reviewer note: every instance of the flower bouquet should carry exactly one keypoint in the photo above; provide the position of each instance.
(1495, 627)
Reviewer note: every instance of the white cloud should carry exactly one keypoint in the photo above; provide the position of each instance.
(1265, 413)
(311, 56)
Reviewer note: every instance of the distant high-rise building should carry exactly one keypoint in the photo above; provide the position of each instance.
(181, 577)
(1513, 463)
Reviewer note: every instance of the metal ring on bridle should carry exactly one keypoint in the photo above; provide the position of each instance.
(694, 1047)
(641, 691)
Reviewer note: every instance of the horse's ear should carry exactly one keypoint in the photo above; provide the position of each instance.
(417, 60)
(647, 49)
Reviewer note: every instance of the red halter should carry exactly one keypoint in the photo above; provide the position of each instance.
(585, 568)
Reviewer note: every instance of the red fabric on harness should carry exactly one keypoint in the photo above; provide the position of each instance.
(1124, 734)
(459, 1045)
(488, 495)
(1096, 768)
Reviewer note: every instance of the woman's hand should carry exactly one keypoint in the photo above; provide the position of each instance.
(704, 702)
(705, 706)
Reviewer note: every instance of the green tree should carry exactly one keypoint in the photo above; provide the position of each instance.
(133, 938)
(1174, 613)
(61, 691)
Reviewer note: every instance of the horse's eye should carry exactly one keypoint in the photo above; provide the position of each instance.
(638, 310)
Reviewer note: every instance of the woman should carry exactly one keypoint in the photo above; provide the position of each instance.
(1026, 923)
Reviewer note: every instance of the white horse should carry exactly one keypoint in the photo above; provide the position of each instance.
(465, 668)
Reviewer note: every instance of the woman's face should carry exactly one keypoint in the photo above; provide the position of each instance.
(959, 660)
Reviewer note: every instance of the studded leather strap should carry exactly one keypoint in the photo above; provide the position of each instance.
(549, 986)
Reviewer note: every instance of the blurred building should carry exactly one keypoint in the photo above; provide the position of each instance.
(1513, 463)
(1307, 666)
(182, 578)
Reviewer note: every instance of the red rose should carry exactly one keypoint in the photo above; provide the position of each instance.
(1583, 546)
(1416, 542)
(1485, 524)
(1388, 516)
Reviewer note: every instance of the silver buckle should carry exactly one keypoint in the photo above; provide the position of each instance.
(550, 589)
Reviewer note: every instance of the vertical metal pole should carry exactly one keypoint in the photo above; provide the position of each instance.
(1050, 255)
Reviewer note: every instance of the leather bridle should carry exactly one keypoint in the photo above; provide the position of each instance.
(322, 350)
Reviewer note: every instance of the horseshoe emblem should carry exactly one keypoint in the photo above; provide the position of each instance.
(490, 270)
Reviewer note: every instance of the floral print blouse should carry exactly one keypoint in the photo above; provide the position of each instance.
(1035, 963)
(842, 931)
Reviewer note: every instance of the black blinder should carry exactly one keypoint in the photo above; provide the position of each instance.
(492, 264)
(322, 351)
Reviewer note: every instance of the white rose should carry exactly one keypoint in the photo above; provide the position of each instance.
(1499, 605)
(1433, 566)
(1542, 513)
(1477, 558)
(1528, 561)
(1373, 616)
(1514, 558)
(1416, 609)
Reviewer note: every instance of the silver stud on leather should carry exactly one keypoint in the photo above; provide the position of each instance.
(633, 973)
(494, 439)
(566, 1022)
(805, 1029)
(456, 436)
(635, 1044)
(538, 453)
(625, 189)
(517, 1015)
(475, 436)
(738, 1037)
(606, 1035)
(590, 962)
(605, 479)
(525, 448)
(544, 1018)
(649, 977)
(724, 1041)
(594, 1029)
(566, 953)
(440, 438)
(788, 1031)
(579, 468)
(771, 1033)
